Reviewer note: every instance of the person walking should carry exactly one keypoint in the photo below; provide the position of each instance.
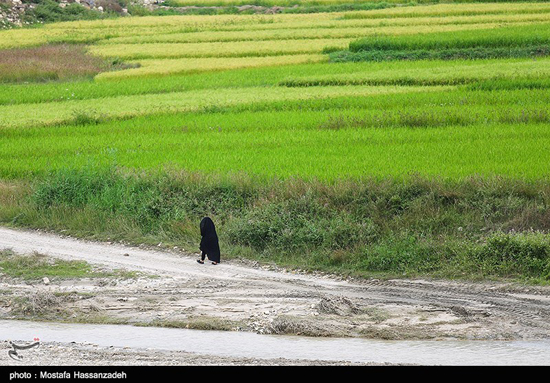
(209, 245)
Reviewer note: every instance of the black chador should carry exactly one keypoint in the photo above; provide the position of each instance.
(209, 241)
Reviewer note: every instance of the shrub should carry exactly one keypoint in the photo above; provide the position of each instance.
(299, 223)
(149, 201)
(525, 253)
(403, 254)
(48, 11)
(503, 247)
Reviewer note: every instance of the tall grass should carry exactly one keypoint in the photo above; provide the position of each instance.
(49, 62)
(473, 228)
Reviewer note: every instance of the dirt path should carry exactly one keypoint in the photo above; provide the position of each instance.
(244, 296)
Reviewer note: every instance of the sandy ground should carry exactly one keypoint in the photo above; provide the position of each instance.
(59, 354)
(173, 289)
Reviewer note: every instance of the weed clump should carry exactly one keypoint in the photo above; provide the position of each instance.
(526, 252)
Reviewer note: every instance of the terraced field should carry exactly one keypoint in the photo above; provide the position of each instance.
(267, 88)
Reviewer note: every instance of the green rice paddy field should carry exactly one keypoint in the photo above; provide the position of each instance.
(259, 94)
(449, 95)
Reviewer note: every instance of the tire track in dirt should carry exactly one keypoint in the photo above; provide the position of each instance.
(497, 309)
(473, 299)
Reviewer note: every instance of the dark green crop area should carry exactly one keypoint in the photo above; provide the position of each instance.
(506, 42)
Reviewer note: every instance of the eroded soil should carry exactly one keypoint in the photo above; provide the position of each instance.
(172, 289)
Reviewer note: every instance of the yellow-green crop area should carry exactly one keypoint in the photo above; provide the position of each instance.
(260, 94)
(412, 139)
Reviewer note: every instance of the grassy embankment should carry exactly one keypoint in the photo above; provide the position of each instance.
(406, 167)
(475, 228)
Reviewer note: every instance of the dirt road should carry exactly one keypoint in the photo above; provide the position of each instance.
(240, 295)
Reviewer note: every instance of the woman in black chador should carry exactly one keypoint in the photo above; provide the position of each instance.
(209, 242)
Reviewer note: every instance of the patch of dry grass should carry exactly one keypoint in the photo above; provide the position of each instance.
(50, 62)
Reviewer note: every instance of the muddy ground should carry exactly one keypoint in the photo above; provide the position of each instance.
(171, 289)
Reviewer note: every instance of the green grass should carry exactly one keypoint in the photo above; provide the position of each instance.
(25, 115)
(443, 54)
(505, 37)
(432, 168)
(424, 72)
(36, 266)
(477, 228)
(383, 135)
(314, 74)
(32, 267)
(290, 3)
(505, 42)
